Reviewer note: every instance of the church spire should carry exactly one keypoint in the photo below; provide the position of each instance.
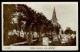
(54, 10)
(54, 18)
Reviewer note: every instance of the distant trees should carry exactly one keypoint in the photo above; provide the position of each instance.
(69, 31)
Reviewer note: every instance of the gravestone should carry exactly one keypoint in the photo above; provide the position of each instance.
(73, 36)
(17, 33)
(14, 31)
(45, 41)
(35, 35)
(55, 38)
(22, 34)
(64, 38)
(9, 33)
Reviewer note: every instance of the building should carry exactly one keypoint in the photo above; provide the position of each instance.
(54, 20)
(56, 26)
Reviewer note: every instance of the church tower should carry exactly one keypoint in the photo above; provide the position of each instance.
(54, 18)
(55, 23)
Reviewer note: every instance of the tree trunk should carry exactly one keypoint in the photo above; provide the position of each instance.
(5, 37)
(51, 33)
(30, 38)
(39, 36)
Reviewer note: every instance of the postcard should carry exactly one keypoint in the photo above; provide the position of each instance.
(39, 26)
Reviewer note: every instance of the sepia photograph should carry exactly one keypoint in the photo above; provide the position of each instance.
(39, 25)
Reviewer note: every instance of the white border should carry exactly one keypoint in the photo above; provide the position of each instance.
(29, 48)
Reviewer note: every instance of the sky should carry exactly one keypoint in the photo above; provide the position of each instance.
(66, 12)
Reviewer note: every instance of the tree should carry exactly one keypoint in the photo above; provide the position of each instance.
(68, 30)
(34, 21)
(8, 10)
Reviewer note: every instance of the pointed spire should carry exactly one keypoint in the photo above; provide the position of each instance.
(54, 15)
(54, 10)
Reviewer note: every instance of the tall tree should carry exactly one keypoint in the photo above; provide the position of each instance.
(8, 10)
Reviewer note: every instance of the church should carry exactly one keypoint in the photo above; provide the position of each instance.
(55, 23)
